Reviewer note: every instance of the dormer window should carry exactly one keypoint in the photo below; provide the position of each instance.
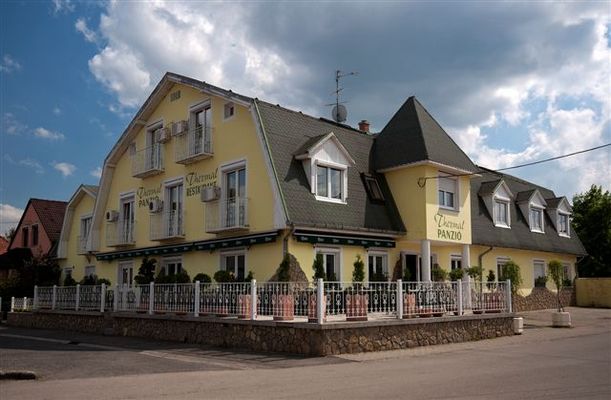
(501, 213)
(373, 188)
(536, 219)
(498, 199)
(563, 225)
(325, 162)
(447, 192)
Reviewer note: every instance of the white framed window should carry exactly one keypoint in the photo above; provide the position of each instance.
(173, 214)
(85, 226)
(448, 192)
(567, 271)
(500, 265)
(234, 200)
(564, 225)
(455, 261)
(377, 266)
(331, 262)
(125, 273)
(234, 262)
(228, 111)
(330, 182)
(536, 219)
(171, 265)
(90, 270)
(538, 270)
(501, 213)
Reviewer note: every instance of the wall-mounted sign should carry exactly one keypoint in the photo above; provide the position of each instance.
(449, 228)
(195, 182)
(145, 195)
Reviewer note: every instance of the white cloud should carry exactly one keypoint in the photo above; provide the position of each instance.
(26, 162)
(57, 110)
(96, 173)
(47, 134)
(65, 168)
(9, 64)
(64, 6)
(9, 217)
(81, 26)
(12, 126)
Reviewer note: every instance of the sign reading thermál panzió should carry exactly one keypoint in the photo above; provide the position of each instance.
(449, 228)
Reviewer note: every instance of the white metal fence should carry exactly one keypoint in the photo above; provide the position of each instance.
(315, 301)
(20, 304)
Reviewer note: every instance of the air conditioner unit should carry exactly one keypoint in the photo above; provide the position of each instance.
(112, 216)
(179, 128)
(162, 135)
(155, 205)
(210, 193)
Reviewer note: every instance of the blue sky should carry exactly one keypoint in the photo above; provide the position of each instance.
(512, 82)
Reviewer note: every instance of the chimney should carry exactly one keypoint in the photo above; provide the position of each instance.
(364, 126)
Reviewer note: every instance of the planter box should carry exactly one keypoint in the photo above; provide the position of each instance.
(561, 319)
(312, 309)
(356, 307)
(244, 306)
(283, 307)
(409, 305)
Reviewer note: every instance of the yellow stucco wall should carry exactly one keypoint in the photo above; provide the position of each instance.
(83, 207)
(593, 292)
(410, 199)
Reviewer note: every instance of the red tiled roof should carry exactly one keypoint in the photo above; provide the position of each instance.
(51, 215)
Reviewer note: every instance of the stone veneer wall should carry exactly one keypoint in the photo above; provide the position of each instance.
(285, 337)
(542, 299)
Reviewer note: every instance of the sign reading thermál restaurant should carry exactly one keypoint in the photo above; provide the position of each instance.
(195, 182)
(449, 228)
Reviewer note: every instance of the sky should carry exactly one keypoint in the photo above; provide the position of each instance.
(511, 82)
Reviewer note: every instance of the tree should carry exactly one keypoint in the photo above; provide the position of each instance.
(10, 233)
(555, 270)
(358, 274)
(592, 223)
(318, 267)
(146, 272)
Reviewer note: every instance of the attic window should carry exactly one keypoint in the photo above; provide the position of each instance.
(536, 219)
(373, 188)
(563, 225)
(228, 110)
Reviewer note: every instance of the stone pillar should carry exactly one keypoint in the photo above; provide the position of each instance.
(466, 256)
(425, 253)
(466, 280)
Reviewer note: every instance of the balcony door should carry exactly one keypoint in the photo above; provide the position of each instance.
(127, 219)
(202, 126)
(126, 273)
(235, 192)
(174, 199)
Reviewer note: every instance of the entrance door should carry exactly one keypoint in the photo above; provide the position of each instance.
(411, 264)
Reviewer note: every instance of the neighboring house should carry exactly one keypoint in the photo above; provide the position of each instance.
(4, 242)
(205, 179)
(39, 227)
(75, 236)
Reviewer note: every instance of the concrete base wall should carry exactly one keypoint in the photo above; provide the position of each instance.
(285, 337)
(542, 299)
(593, 292)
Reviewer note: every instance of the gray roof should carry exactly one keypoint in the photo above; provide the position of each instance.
(287, 133)
(525, 195)
(488, 187)
(553, 202)
(519, 236)
(413, 135)
(308, 144)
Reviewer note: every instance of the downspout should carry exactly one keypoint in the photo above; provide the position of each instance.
(285, 241)
(479, 261)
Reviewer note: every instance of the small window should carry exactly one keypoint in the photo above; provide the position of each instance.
(536, 219)
(228, 110)
(501, 213)
(447, 192)
(455, 262)
(25, 236)
(90, 270)
(563, 225)
(172, 266)
(329, 182)
(500, 265)
(539, 273)
(234, 263)
(34, 235)
(373, 188)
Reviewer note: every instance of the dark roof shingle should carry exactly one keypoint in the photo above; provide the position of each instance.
(51, 215)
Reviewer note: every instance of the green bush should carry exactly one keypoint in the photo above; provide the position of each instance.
(283, 269)
(511, 271)
(475, 273)
(318, 267)
(555, 271)
(104, 281)
(202, 278)
(438, 274)
(249, 277)
(222, 276)
(457, 274)
(358, 273)
(182, 277)
(69, 280)
(407, 276)
(541, 281)
(146, 272)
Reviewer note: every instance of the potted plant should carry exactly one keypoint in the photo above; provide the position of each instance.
(319, 273)
(541, 281)
(560, 318)
(356, 300)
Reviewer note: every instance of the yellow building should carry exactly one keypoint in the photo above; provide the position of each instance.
(204, 179)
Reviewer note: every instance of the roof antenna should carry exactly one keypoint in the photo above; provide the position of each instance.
(339, 113)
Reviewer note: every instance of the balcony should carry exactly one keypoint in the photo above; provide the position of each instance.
(148, 161)
(167, 225)
(227, 215)
(81, 243)
(120, 233)
(193, 146)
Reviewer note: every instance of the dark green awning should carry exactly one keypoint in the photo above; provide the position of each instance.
(338, 239)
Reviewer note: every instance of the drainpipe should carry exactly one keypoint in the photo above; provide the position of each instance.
(285, 241)
(479, 260)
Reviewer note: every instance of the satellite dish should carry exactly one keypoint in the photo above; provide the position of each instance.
(339, 113)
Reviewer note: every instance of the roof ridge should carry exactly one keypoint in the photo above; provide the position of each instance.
(421, 133)
(516, 179)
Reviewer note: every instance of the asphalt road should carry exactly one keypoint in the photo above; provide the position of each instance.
(540, 364)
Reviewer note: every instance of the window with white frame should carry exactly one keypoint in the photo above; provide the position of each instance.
(172, 265)
(501, 213)
(331, 262)
(377, 266)
(85, 226)
(567, 271)
(173, 224)
(235, 263)
(330, 182)
(563, 225)
(539, 275)
(455, 262)
(90, 270)
(536, 219)
(448, 192)
(500, 265)
(234, 202)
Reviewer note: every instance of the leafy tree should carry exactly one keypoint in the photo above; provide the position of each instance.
(318, 267)
(592, 223)
(555, 270)
(10, 233)
(475, 273)
(511, 271)
(146, 272)
(358, 273)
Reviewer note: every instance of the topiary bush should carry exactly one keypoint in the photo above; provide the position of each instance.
(358, 272)
(222, 276)
(555, 271)
(318, 267)
(146, 272)
(202, 278)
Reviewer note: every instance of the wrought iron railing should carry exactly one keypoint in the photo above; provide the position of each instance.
(120, 233)
(226, 214)
(167, 225)
(194, 145)
(148, 161)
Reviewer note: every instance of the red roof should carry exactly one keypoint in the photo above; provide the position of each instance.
(51, 215)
